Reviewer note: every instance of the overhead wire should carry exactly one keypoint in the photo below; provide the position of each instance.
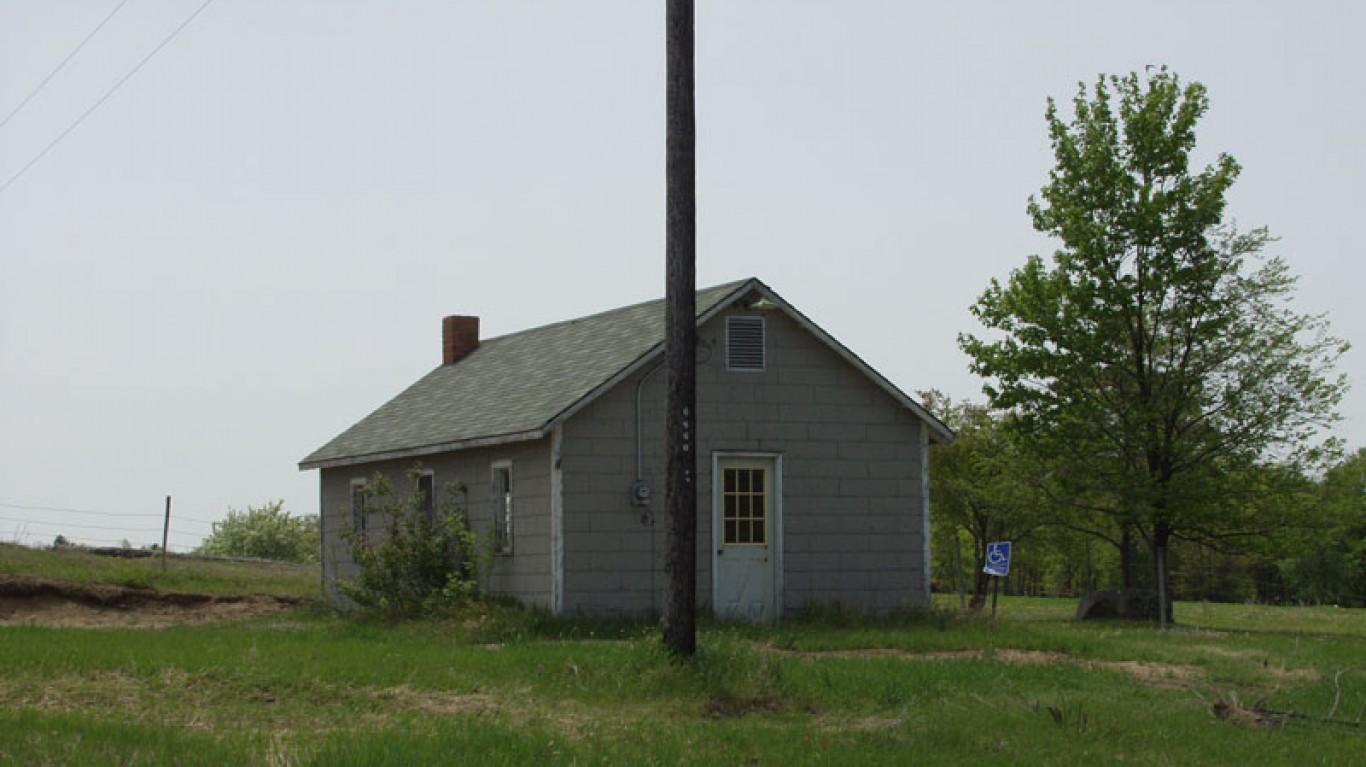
(23, 529)
(77, 511)
(105, 97)
(62, 524)
(23, 538)
(22, 533)
(62, 65)
(125, 514)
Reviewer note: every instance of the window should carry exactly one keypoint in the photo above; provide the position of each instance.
(744, 504)
(745, 344)
(358, 505)
(426, 488)
(502, 508)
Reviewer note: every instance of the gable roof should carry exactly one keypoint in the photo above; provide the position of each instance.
(522, 385)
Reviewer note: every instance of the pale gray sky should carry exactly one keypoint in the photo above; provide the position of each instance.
(250, 244)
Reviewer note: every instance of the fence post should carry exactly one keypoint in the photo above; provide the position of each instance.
(165, 533)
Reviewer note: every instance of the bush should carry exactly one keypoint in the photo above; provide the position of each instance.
(265, 532)
(421, 564)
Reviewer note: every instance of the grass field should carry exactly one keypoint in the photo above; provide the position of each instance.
(499, 685)
(181, 574)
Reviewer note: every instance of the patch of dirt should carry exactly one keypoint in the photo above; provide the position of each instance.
(864, 724)
(1227, 652)
(727, 707)
(38, 602)
(570, 719)
(1276, 671)
(1165, 675)
(1170, 676)
(440, 702)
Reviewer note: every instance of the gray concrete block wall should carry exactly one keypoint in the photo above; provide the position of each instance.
(613, 549)
(853, 503)
(523, 575)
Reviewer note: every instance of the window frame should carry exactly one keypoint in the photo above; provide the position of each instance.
(504, 508)
(745, 500)
(358, 504)
(429, 503)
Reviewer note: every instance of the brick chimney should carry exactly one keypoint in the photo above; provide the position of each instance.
(459, 337)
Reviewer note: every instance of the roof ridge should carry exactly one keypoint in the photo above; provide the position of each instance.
(518, 385)
(512, 385)
(724, 286)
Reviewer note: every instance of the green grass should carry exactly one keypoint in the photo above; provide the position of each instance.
(181, 574)
(499, 685)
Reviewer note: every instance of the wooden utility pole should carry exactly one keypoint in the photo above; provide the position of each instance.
(680, 346)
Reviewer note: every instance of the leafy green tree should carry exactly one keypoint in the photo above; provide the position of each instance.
(981, 485)
(264, 532)
(1155, 361)
(1326, 562)
(423, 562)
(1265, 516)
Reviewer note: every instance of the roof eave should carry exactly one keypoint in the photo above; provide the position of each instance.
(418, 452)
(939, 433)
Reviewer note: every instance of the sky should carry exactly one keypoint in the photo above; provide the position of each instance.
(229, 231)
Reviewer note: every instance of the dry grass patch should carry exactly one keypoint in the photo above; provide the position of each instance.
(436, 702)
(1161, 675)
(567, 718)
(828, 723)
(99, 690)
(190, 700)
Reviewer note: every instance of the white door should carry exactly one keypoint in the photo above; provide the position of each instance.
(745, 525)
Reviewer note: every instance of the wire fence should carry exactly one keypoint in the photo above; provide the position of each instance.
(19, 523)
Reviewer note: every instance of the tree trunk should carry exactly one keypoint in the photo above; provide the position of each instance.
(981, 582)
(1128, 558)
(958, 565)
(680, 559)
(1161, 541)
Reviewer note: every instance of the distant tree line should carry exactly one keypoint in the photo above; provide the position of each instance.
(1304, 538)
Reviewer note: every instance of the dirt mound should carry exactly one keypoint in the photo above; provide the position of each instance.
(38, 602)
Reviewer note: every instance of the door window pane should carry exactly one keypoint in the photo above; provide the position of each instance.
(743, 506)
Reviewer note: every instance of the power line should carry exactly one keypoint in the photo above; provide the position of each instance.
(64, 524)
(178, 517)
(20, 537)
(106, 95)
(175, 516)
(78, 511)
(62, 65)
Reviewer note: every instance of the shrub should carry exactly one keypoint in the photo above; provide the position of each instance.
(420, 563)
(265, 532)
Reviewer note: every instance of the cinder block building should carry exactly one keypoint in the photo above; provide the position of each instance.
(812, 467)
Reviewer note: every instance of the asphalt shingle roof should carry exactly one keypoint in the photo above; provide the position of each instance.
(511, 385)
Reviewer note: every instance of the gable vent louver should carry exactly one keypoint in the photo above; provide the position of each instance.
(745, 343)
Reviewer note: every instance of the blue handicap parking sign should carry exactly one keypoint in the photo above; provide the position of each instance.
(998, 559)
